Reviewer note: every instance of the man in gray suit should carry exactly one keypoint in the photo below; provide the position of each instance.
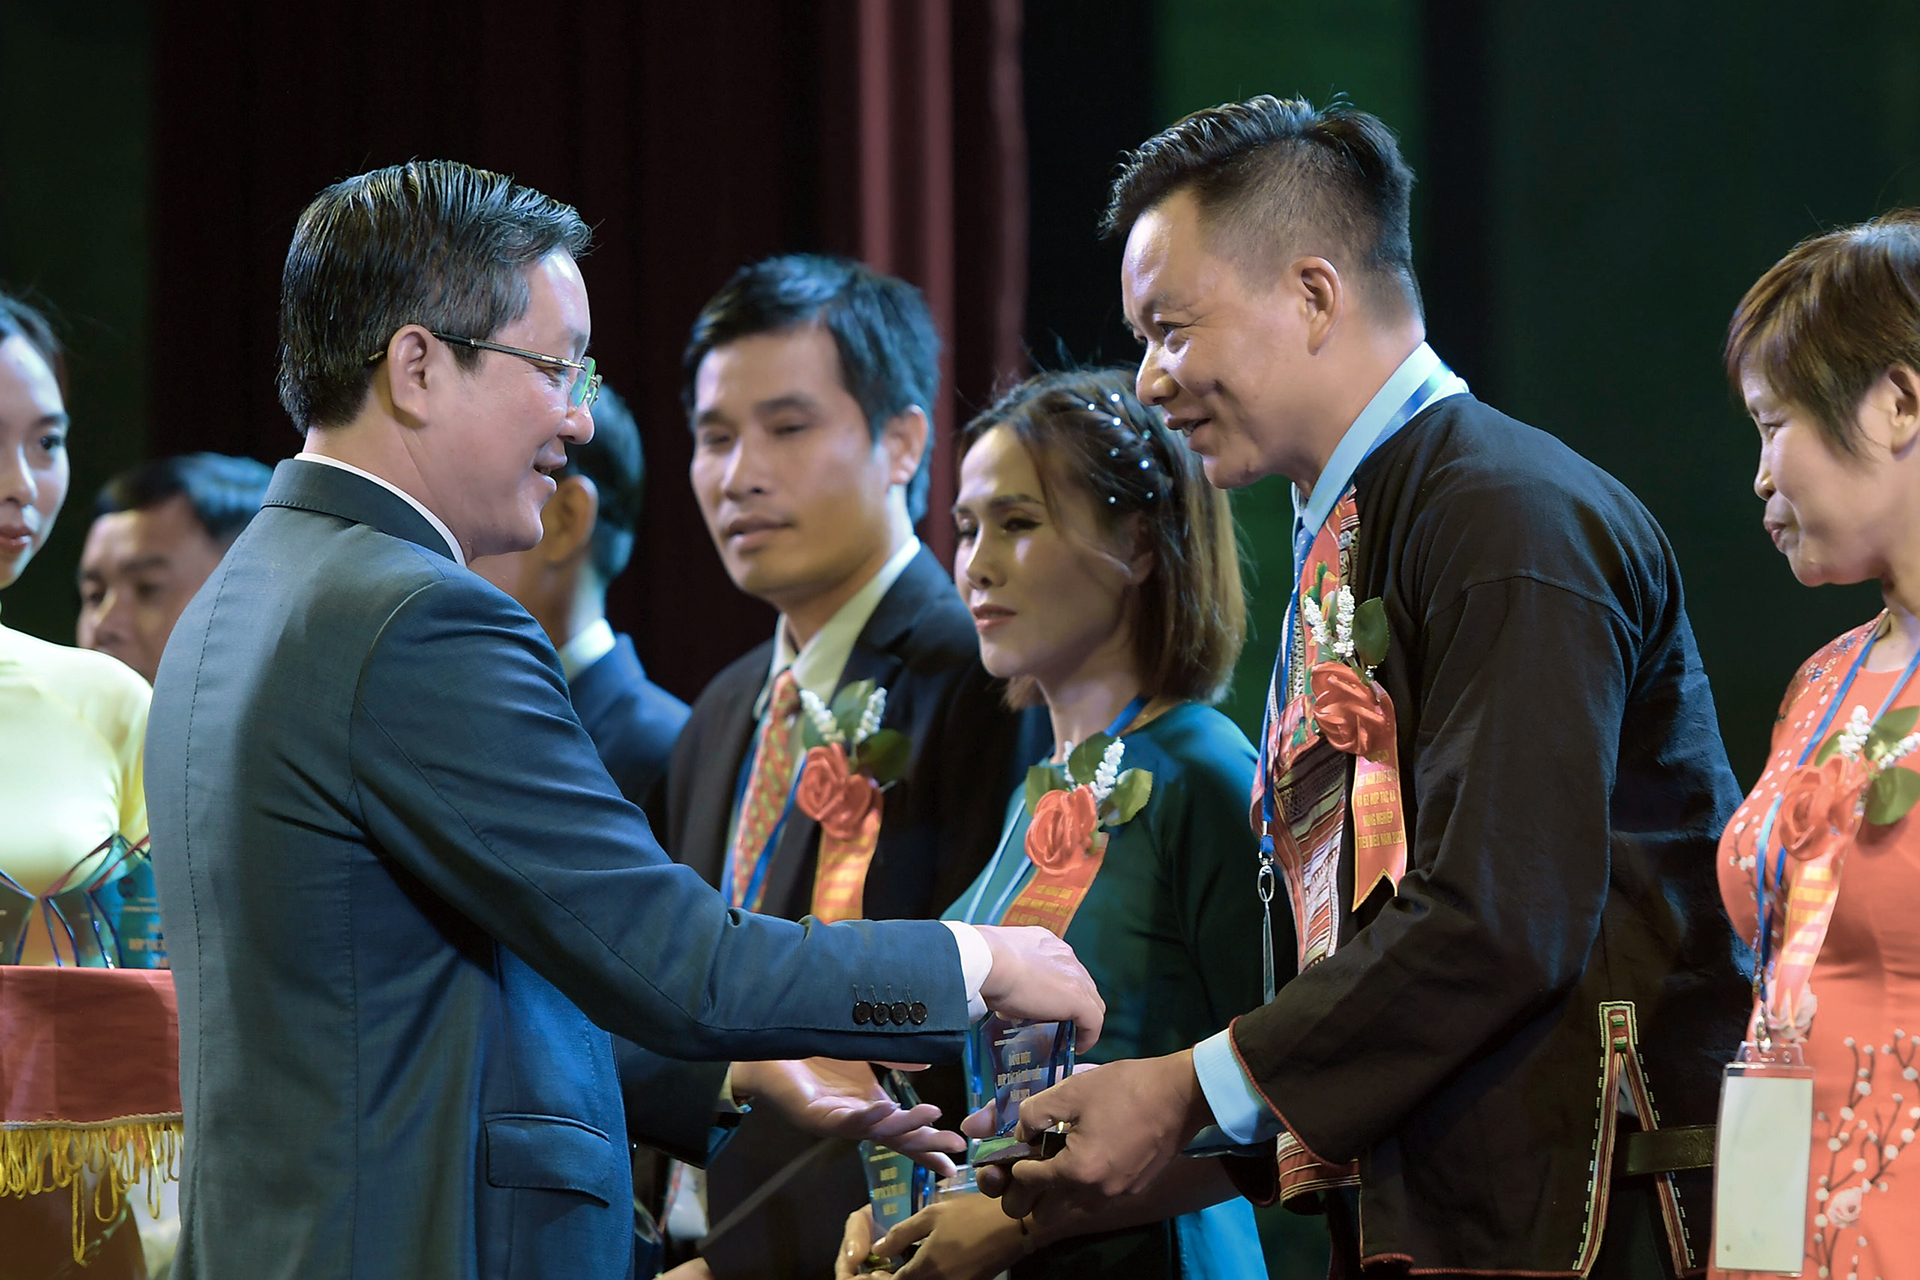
(395, 879)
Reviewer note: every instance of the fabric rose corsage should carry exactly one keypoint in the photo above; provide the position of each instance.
(1348, 706)
(850, 762)
(1820, 805)
(1066, 840)
(1355, 715)
(1855, 777)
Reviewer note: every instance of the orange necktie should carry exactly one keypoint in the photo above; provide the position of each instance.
(767, 790)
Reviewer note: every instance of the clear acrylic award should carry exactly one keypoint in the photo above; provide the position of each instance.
(897, 1188)
(1008, 1061)
(104, 913)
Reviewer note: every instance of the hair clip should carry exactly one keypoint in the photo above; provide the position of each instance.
(1113, 453)
(1145, 465)
(1118, 423)
(1151, 495)
(1114, 396)
(1092, 407)
(1111, 500)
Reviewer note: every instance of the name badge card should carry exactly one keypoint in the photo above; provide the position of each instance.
(1007, 1063)
(1760, 1164)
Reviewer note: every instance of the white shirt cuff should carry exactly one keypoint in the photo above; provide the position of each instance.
(976, 962)
(1237, 1109)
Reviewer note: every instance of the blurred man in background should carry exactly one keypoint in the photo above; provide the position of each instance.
(158, 531)
(562, 581)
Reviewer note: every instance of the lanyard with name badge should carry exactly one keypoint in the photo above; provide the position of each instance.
(1764, 1145)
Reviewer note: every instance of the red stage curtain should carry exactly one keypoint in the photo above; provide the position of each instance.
(694, 137)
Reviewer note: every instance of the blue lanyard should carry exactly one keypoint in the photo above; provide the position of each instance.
(1020, 879)
(1765, 867)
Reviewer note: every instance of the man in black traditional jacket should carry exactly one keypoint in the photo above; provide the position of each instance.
(1460, 1072)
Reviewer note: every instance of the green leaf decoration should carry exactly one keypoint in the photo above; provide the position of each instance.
(1891, 727)
(1085, 760)
(1129, 795)
(850, 704)
(1042, 778)
(1370, 632)
(1827, 748)
(883, 757)
(809, 734)
(1892, 795)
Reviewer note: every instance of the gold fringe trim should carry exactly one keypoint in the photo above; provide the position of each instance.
(109, 1155)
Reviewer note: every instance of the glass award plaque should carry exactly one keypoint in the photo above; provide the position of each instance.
(1008, 1061)
(16, 912)
(108, 917)
(897, 1188)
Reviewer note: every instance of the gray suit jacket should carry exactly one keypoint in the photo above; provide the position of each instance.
(397, 883)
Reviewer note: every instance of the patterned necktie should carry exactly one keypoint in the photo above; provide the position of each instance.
(767, 790)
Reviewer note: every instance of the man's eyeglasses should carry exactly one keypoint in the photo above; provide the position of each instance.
(582, 391)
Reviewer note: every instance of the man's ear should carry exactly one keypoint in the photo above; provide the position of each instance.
(568, 520)
(904, 437)
(407, 371)
(1321, 296)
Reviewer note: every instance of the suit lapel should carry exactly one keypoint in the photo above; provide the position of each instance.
(875, 656)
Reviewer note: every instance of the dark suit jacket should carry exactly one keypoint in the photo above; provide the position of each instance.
(938, 829)
(1564, 787)
(397, 884)
(633, 723)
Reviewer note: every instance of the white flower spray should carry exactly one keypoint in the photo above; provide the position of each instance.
(870, 718)
(1108, 774)
(823, 721)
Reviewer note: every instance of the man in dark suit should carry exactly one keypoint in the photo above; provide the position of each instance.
(586, 540)
(807, 385)
(1459, 1063)
(395, 879)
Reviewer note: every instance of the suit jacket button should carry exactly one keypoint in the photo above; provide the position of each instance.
(898, 1013)
(862, 1013)
(916, 1013)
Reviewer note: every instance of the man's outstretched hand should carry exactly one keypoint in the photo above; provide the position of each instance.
(1125, 1121)
(833, 1099)
(1035, 976)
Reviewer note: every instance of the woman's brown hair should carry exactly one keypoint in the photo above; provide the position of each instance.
(1085, 430)
(1829, 319)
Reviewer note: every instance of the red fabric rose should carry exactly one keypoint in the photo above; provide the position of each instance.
(1347, 706)
(832, 795)
(1820, 805)
(1062, 828)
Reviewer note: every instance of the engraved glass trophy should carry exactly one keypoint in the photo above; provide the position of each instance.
(1008, 1061)
(897, 1188)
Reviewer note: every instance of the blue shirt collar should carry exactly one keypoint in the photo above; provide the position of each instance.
(1386, 413)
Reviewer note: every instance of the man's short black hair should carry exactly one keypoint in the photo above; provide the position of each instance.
(617, 466)
(1276, 176)
(889, 349)
(224, 492)
(430, 242)
(21, 319)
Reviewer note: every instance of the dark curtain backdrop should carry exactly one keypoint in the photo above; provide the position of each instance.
(694, 137)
